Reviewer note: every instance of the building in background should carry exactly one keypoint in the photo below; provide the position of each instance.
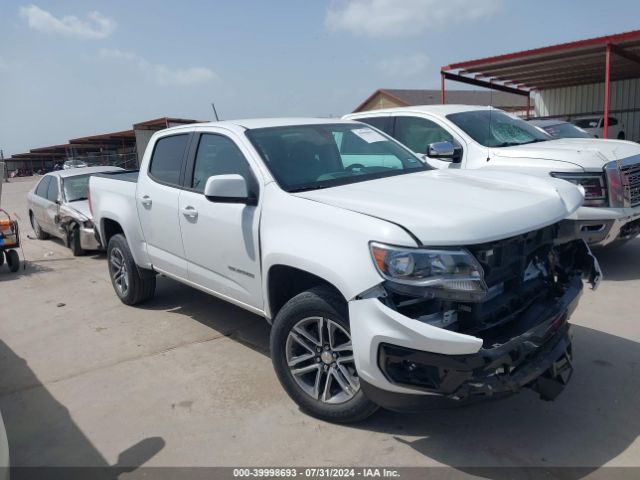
(392, 98)
(123, 149)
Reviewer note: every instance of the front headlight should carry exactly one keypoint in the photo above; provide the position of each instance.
(448, 274)
(595, 191)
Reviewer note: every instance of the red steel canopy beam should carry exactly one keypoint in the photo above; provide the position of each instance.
(482, 83)
(620, 37)
(607, 85)
(621, 52)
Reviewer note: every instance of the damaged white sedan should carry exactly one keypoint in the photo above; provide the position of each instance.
(59, 206)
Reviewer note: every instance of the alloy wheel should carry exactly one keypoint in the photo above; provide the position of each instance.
(118, 270)
(320, 358)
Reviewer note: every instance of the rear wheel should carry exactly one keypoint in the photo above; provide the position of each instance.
(37, 229)
(621, 136)
(133, 285)
(13, 260)
(312, 355)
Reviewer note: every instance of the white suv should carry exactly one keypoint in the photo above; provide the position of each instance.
(470, 137)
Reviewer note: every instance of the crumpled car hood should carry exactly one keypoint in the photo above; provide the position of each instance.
(81, 207)
(588, 153)
(462, 207)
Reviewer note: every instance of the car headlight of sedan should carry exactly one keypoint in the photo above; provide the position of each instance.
(595, 190)
(451, 274)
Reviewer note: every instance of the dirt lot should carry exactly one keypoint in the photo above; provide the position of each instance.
(83, 378)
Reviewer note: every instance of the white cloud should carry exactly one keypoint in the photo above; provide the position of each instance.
(377, 18)
(403, 65)
(96, 25)
(159, 73)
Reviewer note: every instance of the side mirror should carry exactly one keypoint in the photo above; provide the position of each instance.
(228, 189)
(446, 151)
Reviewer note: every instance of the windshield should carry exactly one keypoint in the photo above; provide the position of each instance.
(494, 128)
(566, 130)
(308, 157)
(75, 188)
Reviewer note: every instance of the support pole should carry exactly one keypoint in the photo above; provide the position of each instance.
(528, 106)
(442, 92)
(607, 87)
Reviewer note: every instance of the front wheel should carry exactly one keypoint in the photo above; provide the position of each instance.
(133, 285)
(74, 242)
(312, 355)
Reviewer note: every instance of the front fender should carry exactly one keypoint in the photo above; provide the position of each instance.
(326, 241)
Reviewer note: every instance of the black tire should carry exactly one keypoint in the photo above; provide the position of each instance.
(37, 229)
(1, 258)
(74, 242)
(13, 260)
(140, 283)
(621, 136)
(317, 302)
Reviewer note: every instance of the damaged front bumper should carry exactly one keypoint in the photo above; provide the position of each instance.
(405, 364)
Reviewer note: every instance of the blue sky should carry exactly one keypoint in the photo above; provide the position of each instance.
(74, 68)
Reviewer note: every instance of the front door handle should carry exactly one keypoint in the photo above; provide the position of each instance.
(146, 200)
(190, 212)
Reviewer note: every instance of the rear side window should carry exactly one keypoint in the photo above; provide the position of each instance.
(166, 161)
(613, 121)
(381, 123)
(52, 191)
(43, 186)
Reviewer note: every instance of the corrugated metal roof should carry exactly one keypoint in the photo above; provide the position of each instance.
(562, 65)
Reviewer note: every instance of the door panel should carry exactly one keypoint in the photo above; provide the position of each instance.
(221, 239)
(52, 208)
(157, 199)
(221, 246)
(39, 202)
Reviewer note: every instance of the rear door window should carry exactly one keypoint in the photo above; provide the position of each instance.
(43, 186)
(166, 160)
(52, 191)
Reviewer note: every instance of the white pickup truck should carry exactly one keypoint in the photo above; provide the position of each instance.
(463, 136)
(386, 282)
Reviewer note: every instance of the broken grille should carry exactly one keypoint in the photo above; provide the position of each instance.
(632, 183)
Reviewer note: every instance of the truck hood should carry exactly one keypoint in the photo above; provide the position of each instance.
(588, 153)
(462, 207)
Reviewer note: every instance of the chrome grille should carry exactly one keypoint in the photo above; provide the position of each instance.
(631, 182)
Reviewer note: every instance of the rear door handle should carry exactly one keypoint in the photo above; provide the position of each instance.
(190, 212)
(146, 200)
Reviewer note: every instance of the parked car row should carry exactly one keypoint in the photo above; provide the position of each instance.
(423, 257)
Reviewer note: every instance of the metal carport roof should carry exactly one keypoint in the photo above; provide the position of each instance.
(594, 60)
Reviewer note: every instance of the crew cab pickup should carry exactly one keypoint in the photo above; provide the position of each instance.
(471, 137)
(386, 282)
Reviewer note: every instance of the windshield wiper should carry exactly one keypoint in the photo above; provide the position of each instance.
(78, 199)
(515, 144)
(306, 189)
(536, 140)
